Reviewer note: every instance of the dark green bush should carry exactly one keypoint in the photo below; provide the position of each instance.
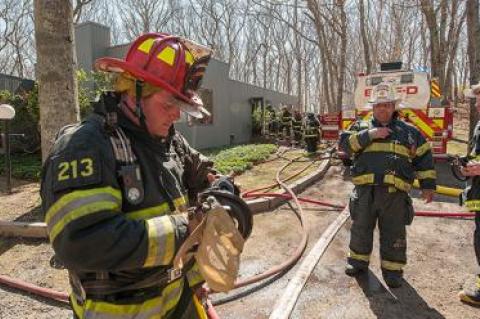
(24, 166)
(240, 158)
(25, 121)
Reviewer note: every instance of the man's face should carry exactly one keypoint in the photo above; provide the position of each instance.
(383, 112)
(160, 112)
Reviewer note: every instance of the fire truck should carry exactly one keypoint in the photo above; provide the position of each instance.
(422, 103)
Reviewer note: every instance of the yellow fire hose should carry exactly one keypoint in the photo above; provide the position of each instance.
(444, 190)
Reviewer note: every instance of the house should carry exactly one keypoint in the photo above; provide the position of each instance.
(230, 102)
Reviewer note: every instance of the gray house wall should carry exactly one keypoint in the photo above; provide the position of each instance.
(232, 112)
(14, 84)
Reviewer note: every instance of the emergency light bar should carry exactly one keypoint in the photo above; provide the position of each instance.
(391, 66)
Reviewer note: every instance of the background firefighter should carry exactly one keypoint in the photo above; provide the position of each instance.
(115, 185)
(472, 197)
(285, 123)
(387, 155)
(297, 126)
(310, 132)
(272, 122)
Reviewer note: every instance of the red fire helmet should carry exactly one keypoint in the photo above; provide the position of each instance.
(170, 62)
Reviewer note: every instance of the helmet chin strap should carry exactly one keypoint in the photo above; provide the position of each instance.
(138, 104)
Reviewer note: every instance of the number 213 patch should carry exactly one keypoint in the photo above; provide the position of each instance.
(74, 170)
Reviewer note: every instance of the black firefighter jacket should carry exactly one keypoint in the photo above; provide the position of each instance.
(394, 161)
(102, 238)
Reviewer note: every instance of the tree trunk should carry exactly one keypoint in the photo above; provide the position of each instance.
(363, 31)
(473, 31)
(56, 65)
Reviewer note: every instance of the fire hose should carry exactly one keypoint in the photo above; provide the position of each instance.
(279, 269)
(64, 298)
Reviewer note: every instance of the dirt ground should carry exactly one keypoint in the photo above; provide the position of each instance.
(27, 260)
(441, 261)
(440, 253)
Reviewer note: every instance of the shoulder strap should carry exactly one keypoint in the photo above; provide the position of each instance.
(128, 167)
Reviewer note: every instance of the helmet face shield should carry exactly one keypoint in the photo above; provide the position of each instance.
(196, 111)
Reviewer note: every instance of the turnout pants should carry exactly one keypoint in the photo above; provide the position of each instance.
(311, 144)
(393, 210)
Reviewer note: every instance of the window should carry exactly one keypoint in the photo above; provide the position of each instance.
(374, 80)
(406, 78)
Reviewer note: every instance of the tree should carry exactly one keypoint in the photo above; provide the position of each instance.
(443, 44)
(16, 41)
(473, 30)
(79, 7)
(56, 66)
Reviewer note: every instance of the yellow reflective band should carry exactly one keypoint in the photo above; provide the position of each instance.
(180, 203)
(172, 293)
(397, 182)
(199, 308)
(153, 308)
(431, 173)
(478, 282)
(80, 194)
(167, 55)
(81, 212)
(159, 210)
(363, 179)
(388, 148)
(78, 204)
(188, 57)
(423, 149)
(473, 205)
(388, 179)
(149, 212)
(354, 143)
(146, 46)
(194, 277)
(361, 257)
(161, 241)
(391, 265)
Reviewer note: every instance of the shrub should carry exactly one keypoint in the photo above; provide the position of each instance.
(25, 121)
(240, 158)
(24, 166)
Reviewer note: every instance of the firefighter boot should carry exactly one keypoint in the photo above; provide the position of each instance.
(471, 297)
(393, 278)
(355, 268)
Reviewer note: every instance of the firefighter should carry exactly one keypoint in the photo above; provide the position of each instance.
(297, 126)
(310, 132)
(387, 156)
(272, 123)
(114, 185)
(472, 197)
(285, 123)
